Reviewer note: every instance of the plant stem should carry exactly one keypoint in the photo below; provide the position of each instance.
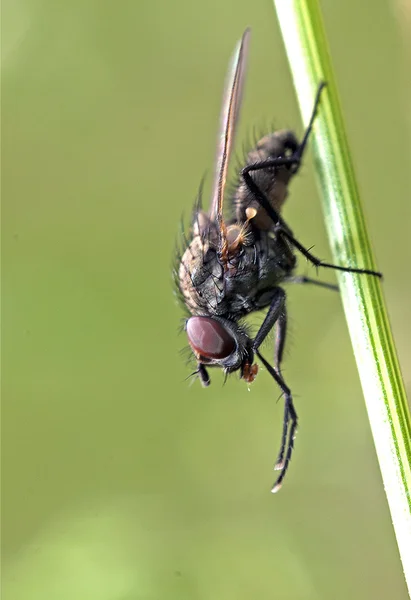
(307, 49)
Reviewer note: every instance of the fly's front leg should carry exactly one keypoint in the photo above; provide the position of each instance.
(289, 412)
(277, 316)
(203, 375)
(289, 415)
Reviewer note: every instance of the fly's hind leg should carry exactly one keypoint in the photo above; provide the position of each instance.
(280, 227)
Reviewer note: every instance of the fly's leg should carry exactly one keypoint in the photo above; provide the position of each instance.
(203, 375)
(289, 415)
(277, 316)
(280, 227)
(300, 150)
(303, 279)
(316, 261)
(294, 160)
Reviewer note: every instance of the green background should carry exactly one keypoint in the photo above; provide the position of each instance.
(121, 481)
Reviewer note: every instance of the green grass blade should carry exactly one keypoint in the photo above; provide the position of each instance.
(307, 49)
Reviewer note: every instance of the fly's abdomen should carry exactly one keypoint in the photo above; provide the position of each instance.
(273, 181)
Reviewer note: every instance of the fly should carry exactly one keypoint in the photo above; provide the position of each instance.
(233, 267)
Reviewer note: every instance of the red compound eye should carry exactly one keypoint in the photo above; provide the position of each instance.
(209, 338)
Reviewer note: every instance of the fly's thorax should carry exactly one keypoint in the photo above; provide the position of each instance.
(272, 181)
(204, 228)
(239, 285)
(213, 287)
(200, 275)
(210, 279)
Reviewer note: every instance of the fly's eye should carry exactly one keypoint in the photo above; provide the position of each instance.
(209, 338)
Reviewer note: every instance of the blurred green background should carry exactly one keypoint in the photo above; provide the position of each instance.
(120, 481)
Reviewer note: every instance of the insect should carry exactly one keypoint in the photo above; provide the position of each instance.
(233, 267)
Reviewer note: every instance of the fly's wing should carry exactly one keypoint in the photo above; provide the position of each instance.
(228, 119)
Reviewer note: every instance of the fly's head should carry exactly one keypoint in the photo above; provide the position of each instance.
(218, 342)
